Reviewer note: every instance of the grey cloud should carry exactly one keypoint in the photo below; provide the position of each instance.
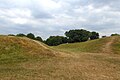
(33, 6)
(97, 15)
(40, 14)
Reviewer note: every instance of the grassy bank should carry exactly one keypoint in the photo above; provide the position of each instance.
(93, 46)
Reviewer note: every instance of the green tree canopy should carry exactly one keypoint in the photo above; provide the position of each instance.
(31, 36)
(78, 35)
(11, 35)
(56, 40)
(115, 34)
(94, 35)
(39, 38)
(21, 35)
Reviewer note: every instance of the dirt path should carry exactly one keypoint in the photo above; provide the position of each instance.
(106, 49)
(107, 46)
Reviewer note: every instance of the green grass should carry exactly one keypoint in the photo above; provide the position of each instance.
(93, 46)
(116, 45)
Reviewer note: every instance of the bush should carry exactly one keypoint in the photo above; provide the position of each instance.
(78, 35)
(31, 36)
(115, 34)
(11, 35)
(39, 39)
(21, 35)
(94, 35)
(56, 40)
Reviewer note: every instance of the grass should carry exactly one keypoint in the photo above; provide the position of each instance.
(24, 59)
(14, 50)
(87, 66)
(94, 46)
(116, 45)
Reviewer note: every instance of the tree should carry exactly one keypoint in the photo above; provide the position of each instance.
(56, 40)
(104, 36)
(39, 39)
(115, 34)
(11, 35)
(31, 36)
(94, 35)
(64, 39)
(78, 35)
(21, 35)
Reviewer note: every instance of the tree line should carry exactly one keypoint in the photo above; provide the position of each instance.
(71, 36)
(29, 35)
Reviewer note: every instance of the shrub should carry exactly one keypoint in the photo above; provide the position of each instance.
(31, 36)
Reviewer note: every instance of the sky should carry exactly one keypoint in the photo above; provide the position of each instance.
(53, 17)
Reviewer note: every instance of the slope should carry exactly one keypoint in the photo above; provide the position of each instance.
(104, 45)
(25, 59)
(16, 49)
(116, 45)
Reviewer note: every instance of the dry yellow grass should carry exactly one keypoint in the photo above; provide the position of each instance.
(86, 67)
(65, 66)
(25, 45)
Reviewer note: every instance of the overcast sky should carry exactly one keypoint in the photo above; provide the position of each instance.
(54, 17)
